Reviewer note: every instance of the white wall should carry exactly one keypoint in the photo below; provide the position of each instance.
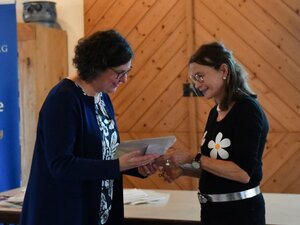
(70, 18)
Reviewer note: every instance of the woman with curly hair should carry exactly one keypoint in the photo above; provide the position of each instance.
(75, 177)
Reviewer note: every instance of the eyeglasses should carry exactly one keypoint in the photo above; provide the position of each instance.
(197, 77)
(121, 74)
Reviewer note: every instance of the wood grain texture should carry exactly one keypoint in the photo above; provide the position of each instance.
(264, 37)
(42, 63)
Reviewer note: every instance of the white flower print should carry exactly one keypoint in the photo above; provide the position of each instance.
(203, 138)
(218, 146)
(104, 213)
(109, 135)
(114, 142)
(102, 108)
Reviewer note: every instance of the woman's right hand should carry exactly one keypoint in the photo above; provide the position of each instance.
(135, 159)
(170, 163)
(178, 156)
(169, 170)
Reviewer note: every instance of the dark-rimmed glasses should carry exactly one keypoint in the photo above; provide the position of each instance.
(121, 74)
(197, 77)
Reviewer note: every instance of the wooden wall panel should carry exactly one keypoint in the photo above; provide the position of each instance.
(293, 5)
(283, 14)
(37, 75)
(264, 36)
(264, 58)
(285, 58)
(150, 57)
(275, 33)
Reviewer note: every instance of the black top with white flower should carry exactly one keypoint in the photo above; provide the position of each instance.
(239, 137)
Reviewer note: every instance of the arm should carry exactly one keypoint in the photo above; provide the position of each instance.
(188, 170)
(71, 143)
(225, 169)
(180, 166)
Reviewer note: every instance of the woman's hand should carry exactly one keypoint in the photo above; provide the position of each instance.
(169, 170)
(171, 173)
(147, 170)
(179, 157)
(135, 159)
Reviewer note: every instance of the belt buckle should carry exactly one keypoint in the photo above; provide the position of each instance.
(202, 198)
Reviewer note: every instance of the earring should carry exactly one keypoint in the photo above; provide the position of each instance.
(224, 78)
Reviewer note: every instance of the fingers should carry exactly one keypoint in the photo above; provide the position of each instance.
(136, 159)
(139, 159)
(133, 154)
(161, 161)
(146, 159)
(179, 156)
(143, 171)
(147, 170)
(164, 174)
(169, 170)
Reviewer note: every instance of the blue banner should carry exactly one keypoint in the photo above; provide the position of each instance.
(10, 171)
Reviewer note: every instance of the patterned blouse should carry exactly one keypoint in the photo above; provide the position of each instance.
(109, 144)
(109, 134)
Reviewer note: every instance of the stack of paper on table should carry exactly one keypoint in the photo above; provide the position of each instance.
(137, 196)
(157, 145)
(13, 201)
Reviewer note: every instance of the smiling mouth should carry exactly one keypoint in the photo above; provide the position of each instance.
(203, 90)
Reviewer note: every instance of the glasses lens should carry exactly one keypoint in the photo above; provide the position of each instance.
(122, 74)
(196, 77)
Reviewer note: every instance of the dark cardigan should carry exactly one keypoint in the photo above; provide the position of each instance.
(66, 173)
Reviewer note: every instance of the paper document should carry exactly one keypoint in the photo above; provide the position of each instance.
(137, 197)
(157, 145)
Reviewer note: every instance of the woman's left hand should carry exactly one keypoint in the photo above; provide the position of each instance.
(148, 169)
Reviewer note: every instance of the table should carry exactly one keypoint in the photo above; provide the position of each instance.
(183, 209)
(10, 215)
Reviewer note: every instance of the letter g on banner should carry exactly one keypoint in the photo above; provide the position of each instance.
(9, 104)
(3, 48)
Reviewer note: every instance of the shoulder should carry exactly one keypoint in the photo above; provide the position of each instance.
(64, 87)
(248, 104)
(62, 95)
(249, 107)
(106, 98)
(66, 90)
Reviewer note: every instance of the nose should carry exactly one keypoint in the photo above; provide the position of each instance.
(198, 84)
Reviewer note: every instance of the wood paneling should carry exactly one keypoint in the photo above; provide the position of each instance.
(264, 37)
(42, 62)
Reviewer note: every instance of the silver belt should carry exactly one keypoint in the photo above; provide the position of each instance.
(203, 198)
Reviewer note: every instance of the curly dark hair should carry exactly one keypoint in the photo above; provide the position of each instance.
(214, 55)
(99, 51)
